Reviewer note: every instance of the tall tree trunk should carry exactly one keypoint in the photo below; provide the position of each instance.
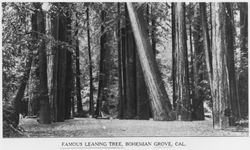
(206, 42)
(130, 64)
(128, 51)
(106, 64)
(123, 73)
(121, 96)
(143, 110)
(120, 65)
(69, 85)
(59, 26)
(192, 78)
(79, 108)
(174, 55)
(62, 59)
(69, 65)
(159, 99)
(102, 75)
(230, 63)
(183, 102)
(91, 100)
(78, 80)
(51, 64)
(220, 90)
(198, 96)
(53, 67)
(243, 75)
(142, 98)
(44, 113)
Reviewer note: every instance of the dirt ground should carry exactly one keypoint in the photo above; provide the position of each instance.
(90, 127)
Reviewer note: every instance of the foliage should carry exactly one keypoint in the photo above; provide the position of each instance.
(16, 44)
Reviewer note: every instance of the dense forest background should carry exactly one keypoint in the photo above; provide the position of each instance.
(166, 61)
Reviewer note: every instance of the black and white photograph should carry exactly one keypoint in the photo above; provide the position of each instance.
(124, 69)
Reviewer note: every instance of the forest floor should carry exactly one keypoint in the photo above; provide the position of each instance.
(90, 127)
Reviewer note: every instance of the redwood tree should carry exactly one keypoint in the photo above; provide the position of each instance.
(44, 113)
(143, 109)
(160, 103)
(183, 103)
(229, 30)
(105, 66)
(91, 100)
(220, 91)
(60, 24)
(243, 74)
(198, 61)
(77, 76)
(130, 74)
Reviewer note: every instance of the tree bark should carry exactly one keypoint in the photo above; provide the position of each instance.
(44, 113)
(159, 99)
(106, 64)
(183, 102)
(198, 95)
(142, 98)
(69, 65)
(78, 80)
(174, 55)
(243, 74)
(220, 90)
(143, 110)
(120, 69)
(79, 108)
(192, 77)
(62, 59)
(53, 67)
(102, 75)
(130, 64)
(91, 100)
(60, 33)
(206, 42)
(123, 74)
(235, 106)
(69, 85)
